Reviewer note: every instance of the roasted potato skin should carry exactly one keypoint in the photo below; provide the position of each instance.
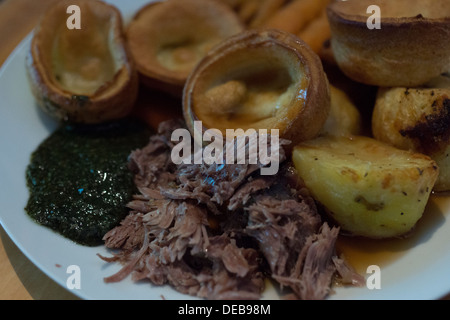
(369, 188)
(416, 119)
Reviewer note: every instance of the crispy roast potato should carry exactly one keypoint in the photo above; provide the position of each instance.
(344, 117)
(369, 188)
(418, 120)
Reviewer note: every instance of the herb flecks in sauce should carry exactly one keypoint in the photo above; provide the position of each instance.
(79, 180)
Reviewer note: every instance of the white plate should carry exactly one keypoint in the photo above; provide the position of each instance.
(421, 272)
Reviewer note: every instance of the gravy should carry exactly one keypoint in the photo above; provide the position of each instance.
(363, 252)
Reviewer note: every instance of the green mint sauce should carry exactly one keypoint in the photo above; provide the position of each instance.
(79, 181)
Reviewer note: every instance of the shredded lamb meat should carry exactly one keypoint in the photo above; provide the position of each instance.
(217, 231)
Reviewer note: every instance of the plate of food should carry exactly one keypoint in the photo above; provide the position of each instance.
(119, 179)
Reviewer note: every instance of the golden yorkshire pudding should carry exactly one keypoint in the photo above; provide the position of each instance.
(411, 47)
(259, 79)
(168, 38)
(82, 75)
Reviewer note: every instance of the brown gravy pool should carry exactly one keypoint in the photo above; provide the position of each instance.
(362, 252)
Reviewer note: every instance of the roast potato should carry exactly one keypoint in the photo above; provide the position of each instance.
(344, 117)
(368, 188)
(416, 119)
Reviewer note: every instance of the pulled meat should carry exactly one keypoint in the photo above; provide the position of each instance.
(217, 231)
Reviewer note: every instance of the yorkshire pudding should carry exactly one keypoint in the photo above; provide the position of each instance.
(82, 75)
(410, 48)
(168, 38)
(259, 79)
